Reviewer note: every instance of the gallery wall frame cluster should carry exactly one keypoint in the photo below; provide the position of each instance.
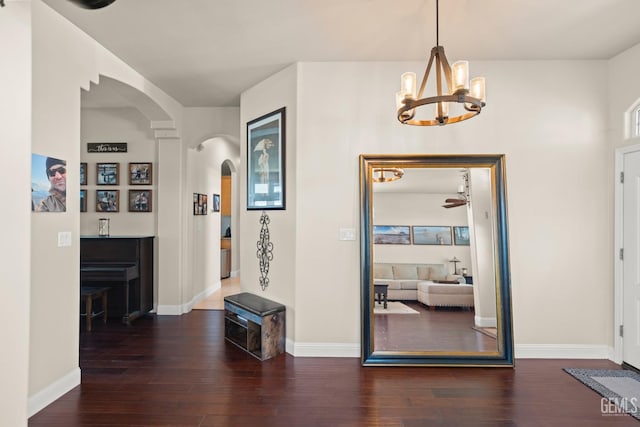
(108, 174)
(440, 235)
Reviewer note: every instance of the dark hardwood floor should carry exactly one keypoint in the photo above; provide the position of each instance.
(435, 329)
(178, 371)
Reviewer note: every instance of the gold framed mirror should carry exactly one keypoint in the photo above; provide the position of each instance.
(435, 276)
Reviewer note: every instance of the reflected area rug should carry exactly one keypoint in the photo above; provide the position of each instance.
(620, 389)
(393, 307)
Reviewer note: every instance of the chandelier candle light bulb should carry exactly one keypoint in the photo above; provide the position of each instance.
(478, 89)
(409, 85)
(460, 71)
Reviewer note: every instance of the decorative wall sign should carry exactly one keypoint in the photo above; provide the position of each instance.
(266, 161)
(265, 251)
(106, 147)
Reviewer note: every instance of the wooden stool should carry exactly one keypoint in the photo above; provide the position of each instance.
(88, 294)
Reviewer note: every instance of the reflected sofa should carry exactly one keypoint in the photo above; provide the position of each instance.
(403, 278)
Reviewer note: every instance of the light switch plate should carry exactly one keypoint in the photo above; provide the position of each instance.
(64, 239)
(347, 234)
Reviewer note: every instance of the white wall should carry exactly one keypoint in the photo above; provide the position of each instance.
(286, 281)
(15, 149)
(419, 209)
(556, 150)
(64, 61)
(204, 167)
(118, 125)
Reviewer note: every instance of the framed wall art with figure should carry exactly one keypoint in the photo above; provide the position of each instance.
(266, 161)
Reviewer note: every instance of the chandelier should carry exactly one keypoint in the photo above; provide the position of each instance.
(387, 174)
(465, 99)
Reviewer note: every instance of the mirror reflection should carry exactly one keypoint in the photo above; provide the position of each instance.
(435, 260)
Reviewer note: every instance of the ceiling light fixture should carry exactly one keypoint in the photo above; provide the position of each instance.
(458, 94)
(387, 174)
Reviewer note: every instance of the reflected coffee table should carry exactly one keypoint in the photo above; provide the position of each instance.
(380, 292)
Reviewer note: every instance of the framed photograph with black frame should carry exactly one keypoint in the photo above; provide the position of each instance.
(266, 161)
(216, 203)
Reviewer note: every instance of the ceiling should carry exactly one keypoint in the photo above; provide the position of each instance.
(205, 53)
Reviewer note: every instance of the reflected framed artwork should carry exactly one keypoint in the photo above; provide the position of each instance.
(461, 236)
(266, 161)
(391, 235)
(431, 235)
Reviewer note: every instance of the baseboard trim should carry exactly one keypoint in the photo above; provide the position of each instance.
(562, 351)
(485, 322)
(52, 392)
(177, 310)
(323, 349)
(169, 310)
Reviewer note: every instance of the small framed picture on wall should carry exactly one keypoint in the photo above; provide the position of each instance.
(107, 200)
(83, 173)
(83, 200)
(139, 200)
(216, 203)
(107, 173)
(140, 173)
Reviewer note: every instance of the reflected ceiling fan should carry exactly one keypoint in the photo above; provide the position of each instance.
(454, 203)
(92, 4)
(463, 195)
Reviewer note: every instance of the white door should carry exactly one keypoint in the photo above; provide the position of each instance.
(631, 260)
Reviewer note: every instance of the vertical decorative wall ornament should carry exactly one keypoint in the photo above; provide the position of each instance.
(265, 251)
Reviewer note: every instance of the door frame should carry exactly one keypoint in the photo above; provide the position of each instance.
(618, 291)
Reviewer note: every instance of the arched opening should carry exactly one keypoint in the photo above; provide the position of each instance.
(116, 115)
